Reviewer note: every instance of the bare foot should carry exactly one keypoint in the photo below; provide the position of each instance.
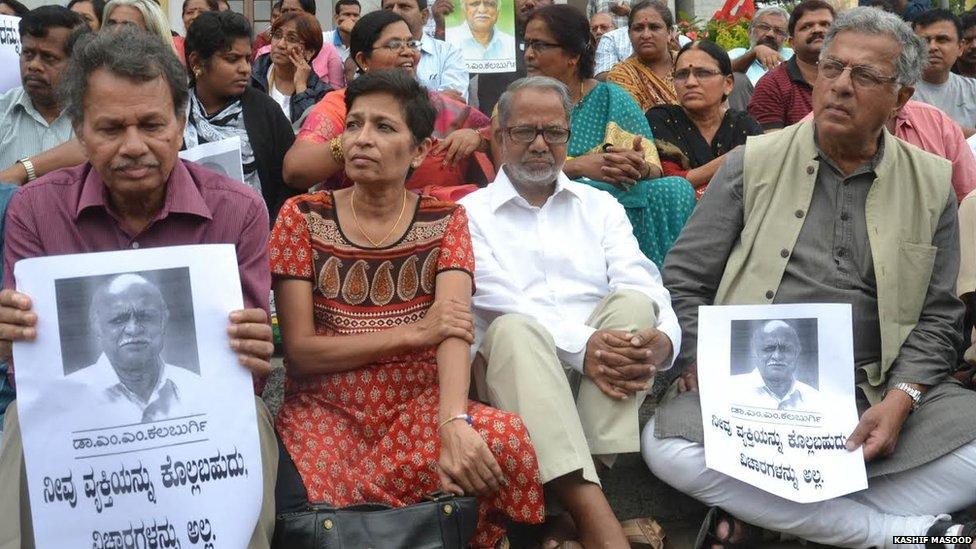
(722, 532)
(559, 529)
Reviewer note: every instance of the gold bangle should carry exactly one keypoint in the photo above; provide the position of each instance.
(336, 144)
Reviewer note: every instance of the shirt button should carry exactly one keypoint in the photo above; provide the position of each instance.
(844, 216)
(784, 253)
(841, 252)
(135, 245)
(798, 214)
(769, 294)
(810, 170)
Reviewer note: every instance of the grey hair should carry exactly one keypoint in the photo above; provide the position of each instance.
(864, 20)
(156, 22)
(769, 10)
(127, 52)
(544, 83)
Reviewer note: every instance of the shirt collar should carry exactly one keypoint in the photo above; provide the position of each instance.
(337, 40)
(113, 384)
(427, 44)
(868, 167)
(182, 195)
(793, 71)
(24, 101)
(793, 396)
(502, 191)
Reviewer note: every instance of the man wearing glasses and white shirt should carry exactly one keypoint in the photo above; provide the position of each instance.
(572, 320)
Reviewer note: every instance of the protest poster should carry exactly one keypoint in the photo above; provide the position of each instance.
(9, 52)
(138, 422)
(222, 156)
(777, 398)
(484, 31)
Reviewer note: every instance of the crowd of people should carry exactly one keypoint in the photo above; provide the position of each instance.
(478, 278)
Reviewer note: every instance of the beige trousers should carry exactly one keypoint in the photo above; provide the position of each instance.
(17, 532)
(568, 417)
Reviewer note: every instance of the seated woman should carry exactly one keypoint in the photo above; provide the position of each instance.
(145, 14)
(693, 136)
(373, 287)
(193, 8)
(647, 74)
(222, 105)
(611, 145)
(382, 40)
(285, 73)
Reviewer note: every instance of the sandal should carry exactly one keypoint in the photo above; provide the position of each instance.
(643, 533)
(942, 525)
(751, 535)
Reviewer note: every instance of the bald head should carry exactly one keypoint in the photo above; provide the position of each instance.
(129, 315)
(777, 347)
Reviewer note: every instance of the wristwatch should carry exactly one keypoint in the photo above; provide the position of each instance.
(910, 391)
(29, 168)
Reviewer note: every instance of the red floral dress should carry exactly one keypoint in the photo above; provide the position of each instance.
(370, 434)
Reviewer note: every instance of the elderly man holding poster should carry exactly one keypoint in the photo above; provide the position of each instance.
(837, 211)
(127, 100)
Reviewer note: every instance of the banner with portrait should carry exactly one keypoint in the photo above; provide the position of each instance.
(777, 398)
(138, 422)
(484, 31)
(9, 52)
(222, 156)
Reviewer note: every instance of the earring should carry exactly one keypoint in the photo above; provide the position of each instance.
(197, 72)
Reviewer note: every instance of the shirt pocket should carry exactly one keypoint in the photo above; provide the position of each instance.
(914, 272)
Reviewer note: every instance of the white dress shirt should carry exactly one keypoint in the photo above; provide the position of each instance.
(557, 263)
(442, 67)
(750, 390)
(106, 390)
(615, 46)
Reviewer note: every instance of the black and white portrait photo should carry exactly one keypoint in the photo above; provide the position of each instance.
(129, 339)
(774, 364)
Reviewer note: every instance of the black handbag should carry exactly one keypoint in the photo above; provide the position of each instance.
(444, 521)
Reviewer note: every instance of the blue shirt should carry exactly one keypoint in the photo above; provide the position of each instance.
(756, 70)
(442, 67)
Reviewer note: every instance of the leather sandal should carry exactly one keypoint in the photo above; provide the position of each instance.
(941, 526)
(751, 536)
(643, 533)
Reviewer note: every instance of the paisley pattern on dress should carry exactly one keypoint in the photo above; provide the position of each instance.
(370, 434)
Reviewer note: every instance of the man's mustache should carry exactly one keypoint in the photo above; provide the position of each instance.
(126, 164)
(770, 42)
(817, 36)
(35, 79)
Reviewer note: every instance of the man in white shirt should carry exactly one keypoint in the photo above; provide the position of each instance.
(767, 33)
(773, 383)
(955, 95)
(441, 66)
(572, 320)
(130, 381)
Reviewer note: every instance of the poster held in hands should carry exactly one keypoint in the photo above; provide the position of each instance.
(222, 156)
(9, 52)
(139, 424)
(484, 31)
(777, 398)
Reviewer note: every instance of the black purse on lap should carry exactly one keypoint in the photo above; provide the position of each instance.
(445, 521)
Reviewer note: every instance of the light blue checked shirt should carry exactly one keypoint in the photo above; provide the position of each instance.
(442, 66)
(24, 132)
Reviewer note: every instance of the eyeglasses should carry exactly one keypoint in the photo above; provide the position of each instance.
(289, 38)
(397, 45)
(682, 75)
(862, 76)
(762, 27)
(539, 46)
(554, 135)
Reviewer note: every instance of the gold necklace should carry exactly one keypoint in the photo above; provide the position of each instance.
(352, 205)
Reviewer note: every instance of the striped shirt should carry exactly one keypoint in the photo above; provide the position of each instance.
(24, 132)
(782, 97)
(66, 212)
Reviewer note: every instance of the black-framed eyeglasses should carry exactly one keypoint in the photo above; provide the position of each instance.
(861, 75)
(396, 45)
(554, 135)
(762, 27)
(540, 46)
(682, 75)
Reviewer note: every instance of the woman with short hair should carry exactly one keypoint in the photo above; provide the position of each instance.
(222, 104)
(693, 136)
(285, 72)
(373, 286)
(647, 73)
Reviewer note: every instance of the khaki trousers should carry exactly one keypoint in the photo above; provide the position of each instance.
(568, 417)
(16, 529)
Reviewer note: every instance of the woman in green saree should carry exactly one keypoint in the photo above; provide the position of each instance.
(611, 147)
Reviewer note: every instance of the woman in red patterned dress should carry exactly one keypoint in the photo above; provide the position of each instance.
(372, 285)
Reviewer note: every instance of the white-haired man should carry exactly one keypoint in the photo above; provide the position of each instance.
(571, 319)
(838, 210)
(767, 35)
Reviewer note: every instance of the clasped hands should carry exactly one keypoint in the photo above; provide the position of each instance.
(623, 363)
(618, 166)
(249, 331)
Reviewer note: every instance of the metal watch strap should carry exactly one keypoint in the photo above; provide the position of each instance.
(29, 168)
(912, 392)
